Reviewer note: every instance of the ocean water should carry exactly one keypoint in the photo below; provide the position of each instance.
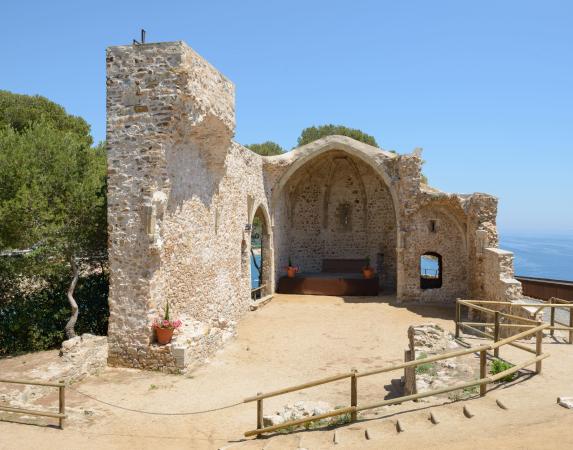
(536, 255)
(540, 255)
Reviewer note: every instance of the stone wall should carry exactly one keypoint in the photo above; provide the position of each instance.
(180, 194)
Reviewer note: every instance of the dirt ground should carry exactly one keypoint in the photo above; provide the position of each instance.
(292, 340)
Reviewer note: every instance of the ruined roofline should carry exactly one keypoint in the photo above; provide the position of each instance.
(333, 142)
(163, 45)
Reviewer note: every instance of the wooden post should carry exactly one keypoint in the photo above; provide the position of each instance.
(571, 325)
(552, 331)
(259, 413)
(353, 394)
(482, 371)
(458, 316)
(538, 348)
(62, 408)
(496, 333)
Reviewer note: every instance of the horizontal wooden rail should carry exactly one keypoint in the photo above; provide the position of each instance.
(32, 383)
(552, 304)
(421, 361)
(469, 304)
(513, 344)
(407, 398)
(32, 412)
(518, 367)
(298, 387)
(530, 305)
(519, 336)
(60, 415)
(290, 423)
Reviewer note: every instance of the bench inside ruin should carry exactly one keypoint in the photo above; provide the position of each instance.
(339, 277)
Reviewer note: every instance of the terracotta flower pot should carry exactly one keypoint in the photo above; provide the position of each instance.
(164, 335)
(291, 271)
(368, 272)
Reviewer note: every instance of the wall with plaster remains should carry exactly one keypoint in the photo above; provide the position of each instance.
(337, 207)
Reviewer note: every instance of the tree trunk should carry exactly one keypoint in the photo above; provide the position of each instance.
(70, 332)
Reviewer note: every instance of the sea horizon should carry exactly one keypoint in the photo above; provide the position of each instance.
(547, 254)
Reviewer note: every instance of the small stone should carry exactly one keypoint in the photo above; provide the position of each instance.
(566, 402)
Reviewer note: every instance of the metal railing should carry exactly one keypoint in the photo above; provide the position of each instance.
(60, 415)
(354, 375)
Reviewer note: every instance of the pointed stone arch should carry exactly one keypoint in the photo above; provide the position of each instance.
(266, 254)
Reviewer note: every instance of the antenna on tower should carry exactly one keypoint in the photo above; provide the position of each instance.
(136, 42)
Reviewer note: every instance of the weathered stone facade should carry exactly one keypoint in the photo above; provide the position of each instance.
(182, 193)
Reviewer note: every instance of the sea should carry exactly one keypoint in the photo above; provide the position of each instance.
(548, 255)
(535, 255)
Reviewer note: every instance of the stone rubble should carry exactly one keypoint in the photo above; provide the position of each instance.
(295, 411)
(429, 340)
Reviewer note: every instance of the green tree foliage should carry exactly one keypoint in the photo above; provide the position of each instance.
(311, 134)
(21, 111)
(268, 148)
(52, 197)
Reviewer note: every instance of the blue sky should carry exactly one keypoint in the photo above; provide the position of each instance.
(486, 88)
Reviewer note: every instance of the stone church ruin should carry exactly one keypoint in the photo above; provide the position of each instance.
(183, 194)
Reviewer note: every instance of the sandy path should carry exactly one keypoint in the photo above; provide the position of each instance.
(293, 339)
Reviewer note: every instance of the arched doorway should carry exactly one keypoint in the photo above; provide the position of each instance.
(261, 255)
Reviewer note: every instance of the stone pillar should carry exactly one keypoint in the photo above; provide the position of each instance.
(157, 95)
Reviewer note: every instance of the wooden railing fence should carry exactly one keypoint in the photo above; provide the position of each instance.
(354, 375)
(60, 415)
(486, 306)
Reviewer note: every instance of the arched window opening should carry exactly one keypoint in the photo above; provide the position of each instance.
(430, 271)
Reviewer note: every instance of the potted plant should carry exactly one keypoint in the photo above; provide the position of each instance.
(165, 327)
(367, 271)
(291, 270)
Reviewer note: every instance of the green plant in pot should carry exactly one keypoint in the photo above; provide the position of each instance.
(164, 327)
(291, 269)
(367, 271)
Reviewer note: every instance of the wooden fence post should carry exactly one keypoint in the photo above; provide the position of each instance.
(354, 394)
(538, 348)
(571, 325)
(62, 408)
(482, 371)
(552, 331)
(496, 333)
(458, 316)
(259, 414)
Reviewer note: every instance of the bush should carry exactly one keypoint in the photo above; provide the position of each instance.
(35, 321)
(498, 365)
(311, 134)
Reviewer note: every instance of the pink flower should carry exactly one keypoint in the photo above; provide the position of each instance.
(177, 323)
(166, 323)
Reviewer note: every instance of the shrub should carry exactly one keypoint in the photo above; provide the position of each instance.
(498, 366)
(35, 321)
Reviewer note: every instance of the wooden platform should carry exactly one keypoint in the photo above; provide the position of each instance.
(338, 284)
